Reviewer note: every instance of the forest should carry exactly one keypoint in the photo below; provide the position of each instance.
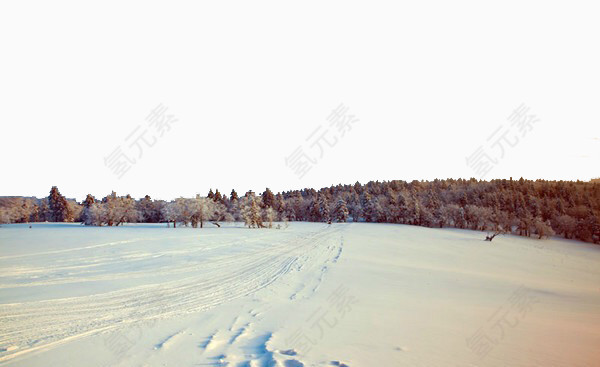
(524, 207)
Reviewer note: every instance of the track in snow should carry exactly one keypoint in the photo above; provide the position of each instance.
(200, 283)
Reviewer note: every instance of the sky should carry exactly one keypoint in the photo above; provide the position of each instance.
(173, 98)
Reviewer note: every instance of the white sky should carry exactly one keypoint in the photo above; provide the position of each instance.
(249, 81)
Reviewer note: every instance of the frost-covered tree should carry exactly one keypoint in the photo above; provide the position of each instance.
(426, 217)
(455, 215)
(218, 197)
(149, 210)
(76, 209)
(567, 225)
(478, 218)
(251, 212)
(5, 216)
(86, 217)
(184, 210)
(325, 211)
(60, 211)
(280, 206)
(112, 210)
(169, 212)
(268, 199)
(543, 229)
(270, 216)
(44, 210)
(234, 208)
(126, 211)
(220, 213)
(109, 204)
(372, 210)
(355, 210)
(200, 210)
(96, 215)
(501, 220)
(341, 211)
(35, 213)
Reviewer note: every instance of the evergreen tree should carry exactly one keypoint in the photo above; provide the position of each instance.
(355, 210)
(280, 206)
(315, 211)
(372, 210)
(268, 199)
(403, 212)
(341, 211)
(87, 216)
(35, 213)
(251, 211)
(109, 204)
(58, 207)
(218, 197)
(324, 212)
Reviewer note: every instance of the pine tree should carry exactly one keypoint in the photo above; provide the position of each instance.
(371, 208)
(218, 197)
(251, 212)
(54, 204)
(391, 210)
(35, 213)
(403, 212)
(44, 210)
(58, 206)
(324, 208)
(279, 206)
(110, 208)
(87, 217)
(355, 210)
(341, 211)
(315, 210)
(268, 199)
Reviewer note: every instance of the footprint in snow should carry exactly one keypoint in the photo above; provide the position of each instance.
(238, 333)
(289, 352)
(167, 341)
(206, 342)
(293, 363)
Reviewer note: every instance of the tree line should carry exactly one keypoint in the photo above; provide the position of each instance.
(528, 208)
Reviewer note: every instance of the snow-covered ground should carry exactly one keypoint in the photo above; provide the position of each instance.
(309, 295)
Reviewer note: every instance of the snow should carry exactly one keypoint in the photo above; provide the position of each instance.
(352, 294)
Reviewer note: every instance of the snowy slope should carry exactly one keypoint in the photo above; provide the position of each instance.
(309, 295)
